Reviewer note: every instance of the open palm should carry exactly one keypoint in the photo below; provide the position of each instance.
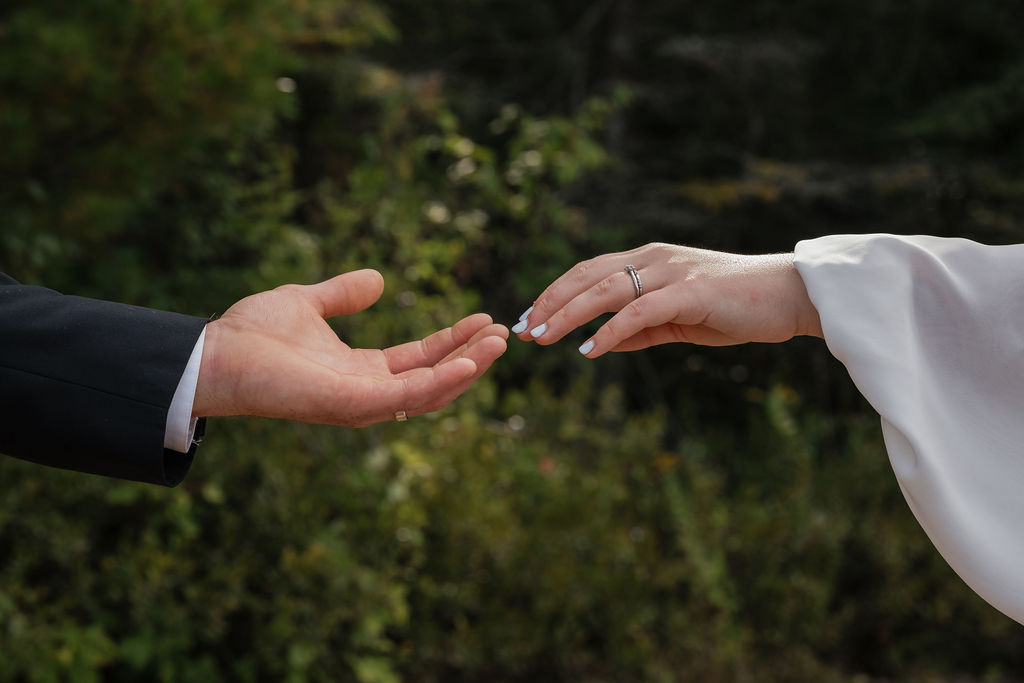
(274, 355)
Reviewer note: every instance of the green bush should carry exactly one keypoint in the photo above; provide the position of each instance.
(562, 543)
(677, 515)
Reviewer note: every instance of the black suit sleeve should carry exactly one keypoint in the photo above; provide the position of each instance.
(85, 384)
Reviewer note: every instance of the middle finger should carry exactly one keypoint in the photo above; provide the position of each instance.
(571, 284)
(607, 296)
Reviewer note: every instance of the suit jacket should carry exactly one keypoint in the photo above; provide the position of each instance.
(85, 384)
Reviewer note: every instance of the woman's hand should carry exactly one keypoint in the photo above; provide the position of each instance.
(689, 295)
(274, 355)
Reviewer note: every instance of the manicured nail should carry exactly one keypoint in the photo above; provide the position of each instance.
(539, 330)
(587, 347)
(526, 315)
(520, 327)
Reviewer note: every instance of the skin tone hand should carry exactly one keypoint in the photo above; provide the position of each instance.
(274, 355)
(689, 295)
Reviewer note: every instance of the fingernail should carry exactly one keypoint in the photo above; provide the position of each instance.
(587, 347)
(526, 315)
(520, 327)
(539, 330)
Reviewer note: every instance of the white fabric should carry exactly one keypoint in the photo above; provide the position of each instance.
(181, 426)
(932, 333)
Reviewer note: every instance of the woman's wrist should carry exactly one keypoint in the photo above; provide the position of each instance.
(808, 322)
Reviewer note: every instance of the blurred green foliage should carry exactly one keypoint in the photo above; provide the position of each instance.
(674, 515)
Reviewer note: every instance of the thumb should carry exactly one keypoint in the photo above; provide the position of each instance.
(346, 293)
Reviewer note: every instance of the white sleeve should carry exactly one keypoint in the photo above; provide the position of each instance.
(181, 426)
(932, 333)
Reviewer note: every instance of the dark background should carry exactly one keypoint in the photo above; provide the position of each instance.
(678, 514)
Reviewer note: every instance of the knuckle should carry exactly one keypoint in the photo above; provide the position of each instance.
(541, 307)
(581, 270)
(605, 287)
(560, 324)
(659, 250)
(637, 308)
(610, 329)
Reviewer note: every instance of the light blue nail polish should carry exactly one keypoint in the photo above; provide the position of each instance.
(520, 327)
(539, 330)
(587, 347)
(526, 315)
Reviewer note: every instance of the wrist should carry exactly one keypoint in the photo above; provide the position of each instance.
(808, 322)
(210, 398)
(793, 313)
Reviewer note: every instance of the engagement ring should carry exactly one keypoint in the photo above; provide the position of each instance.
(638, 286)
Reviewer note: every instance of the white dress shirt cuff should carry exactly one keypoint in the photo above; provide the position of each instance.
(181, 426)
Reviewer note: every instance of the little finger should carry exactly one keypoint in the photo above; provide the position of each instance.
(651, 310)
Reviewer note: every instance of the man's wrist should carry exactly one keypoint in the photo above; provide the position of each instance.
(206, 400)
(181, 425)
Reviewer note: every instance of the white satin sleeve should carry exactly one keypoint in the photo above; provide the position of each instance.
(932, 332)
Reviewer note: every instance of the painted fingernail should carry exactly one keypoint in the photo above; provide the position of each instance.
(587, 347)
(520, 327)
(526, 315)
(539, 330)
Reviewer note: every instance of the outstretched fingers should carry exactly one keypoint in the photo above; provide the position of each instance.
(607, 296)
(428, 389)
(483, 352)
(671, 333)
(413, 391)
(652, 336)
(492, 336)
(576, 281)
(427, 378)
(649, 311)
(434, 348)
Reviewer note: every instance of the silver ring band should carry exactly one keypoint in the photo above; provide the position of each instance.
(401, 416)
(638, 285)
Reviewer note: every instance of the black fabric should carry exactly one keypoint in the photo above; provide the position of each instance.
(86, 384)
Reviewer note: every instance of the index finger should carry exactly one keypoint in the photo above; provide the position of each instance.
(568, 286)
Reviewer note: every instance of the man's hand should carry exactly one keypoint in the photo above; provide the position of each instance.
(273, 355)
